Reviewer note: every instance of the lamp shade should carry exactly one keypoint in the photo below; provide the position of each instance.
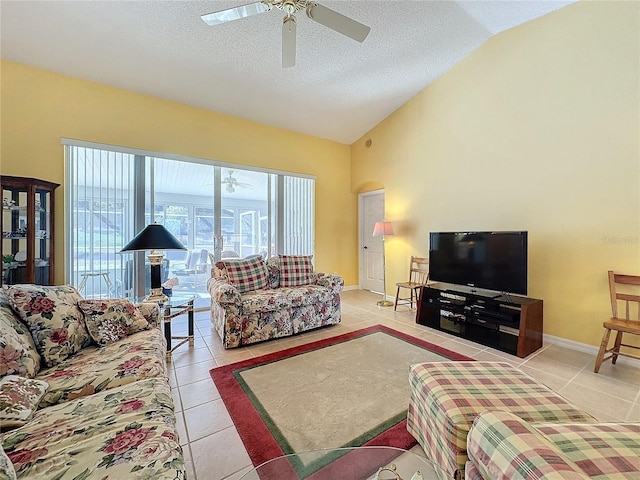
(153, 237)
(382, 229)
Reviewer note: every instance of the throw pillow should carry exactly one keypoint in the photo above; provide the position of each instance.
(151, 312)
(53, 317)
(296, 270)
(220, 271)
(273, 267)
(19, 399)
(247, 274)
(111, 320)
(6, 467)
(18, 354)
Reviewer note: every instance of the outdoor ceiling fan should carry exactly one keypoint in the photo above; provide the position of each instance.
(231, 183)
(323, 15)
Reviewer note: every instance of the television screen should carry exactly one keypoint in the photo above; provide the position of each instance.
(487, 260)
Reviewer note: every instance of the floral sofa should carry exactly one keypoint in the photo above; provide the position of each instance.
(83, 388)
(502, 446)
(253, 300)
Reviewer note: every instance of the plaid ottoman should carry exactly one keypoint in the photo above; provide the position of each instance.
(447, 396)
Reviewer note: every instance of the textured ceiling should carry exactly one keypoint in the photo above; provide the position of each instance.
(338, 90)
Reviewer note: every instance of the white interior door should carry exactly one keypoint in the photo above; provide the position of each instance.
(371, 255)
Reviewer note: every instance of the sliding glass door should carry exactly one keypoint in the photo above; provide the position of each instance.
(216, 211)
(247, 213)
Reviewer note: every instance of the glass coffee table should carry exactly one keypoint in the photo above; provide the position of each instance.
(357, 463)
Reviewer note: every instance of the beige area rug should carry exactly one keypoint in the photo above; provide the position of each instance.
(344, 391)
(327, 398)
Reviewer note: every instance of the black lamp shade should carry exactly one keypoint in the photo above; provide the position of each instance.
(153, 237)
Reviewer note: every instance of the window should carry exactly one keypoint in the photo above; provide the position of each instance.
(225, 211)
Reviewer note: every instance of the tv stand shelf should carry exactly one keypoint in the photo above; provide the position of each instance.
(509, 323)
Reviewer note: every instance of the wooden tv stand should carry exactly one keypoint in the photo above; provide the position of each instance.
(508, 323)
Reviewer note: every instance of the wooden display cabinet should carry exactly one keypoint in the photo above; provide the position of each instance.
(27, 230)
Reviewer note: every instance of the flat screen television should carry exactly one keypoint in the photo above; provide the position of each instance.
(486, 260)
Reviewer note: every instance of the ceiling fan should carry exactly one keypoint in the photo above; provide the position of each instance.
(323, 15)
(231, 183)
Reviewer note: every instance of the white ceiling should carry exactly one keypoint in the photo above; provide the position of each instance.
(338, 90)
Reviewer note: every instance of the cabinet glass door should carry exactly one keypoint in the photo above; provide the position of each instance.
(14, 235)
(42, 234)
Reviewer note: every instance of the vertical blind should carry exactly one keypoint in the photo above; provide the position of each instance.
(99, 215)
(299, 216)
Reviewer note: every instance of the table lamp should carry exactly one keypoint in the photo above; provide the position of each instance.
(154, 237)
(382, 229)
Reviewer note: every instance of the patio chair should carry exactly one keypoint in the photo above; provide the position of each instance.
(124, 287)
(196, 263)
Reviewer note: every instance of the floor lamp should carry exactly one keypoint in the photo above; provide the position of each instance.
(382, 229)
(154, 237)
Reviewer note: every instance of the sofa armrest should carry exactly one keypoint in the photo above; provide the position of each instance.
(150, 311)
(330, 280)
(502, 446)
(223, 292)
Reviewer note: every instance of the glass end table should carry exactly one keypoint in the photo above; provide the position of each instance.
(175, 306)
(356, 463)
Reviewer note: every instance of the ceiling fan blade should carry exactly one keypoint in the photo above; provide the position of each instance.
(338, 22)
(236, 13)
(289, 41)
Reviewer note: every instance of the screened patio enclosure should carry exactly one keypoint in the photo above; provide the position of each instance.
(215, 211)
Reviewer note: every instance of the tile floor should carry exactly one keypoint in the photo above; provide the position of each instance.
(214, 451)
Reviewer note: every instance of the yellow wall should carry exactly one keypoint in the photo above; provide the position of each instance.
(537, 130)
(40, 107)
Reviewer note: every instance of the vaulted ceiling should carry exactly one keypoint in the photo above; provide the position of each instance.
(339, 88)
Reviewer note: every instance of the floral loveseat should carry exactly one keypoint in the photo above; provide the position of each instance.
(503, 446)
(253, 300)
(83, 388)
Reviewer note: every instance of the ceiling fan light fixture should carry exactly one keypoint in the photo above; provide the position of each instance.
(289, 7)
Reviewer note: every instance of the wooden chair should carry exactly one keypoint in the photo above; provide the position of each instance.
(418, 276)
(621, 324)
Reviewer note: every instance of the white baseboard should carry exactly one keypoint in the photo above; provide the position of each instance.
(584, 348)
(563, 342)
(546, 338)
